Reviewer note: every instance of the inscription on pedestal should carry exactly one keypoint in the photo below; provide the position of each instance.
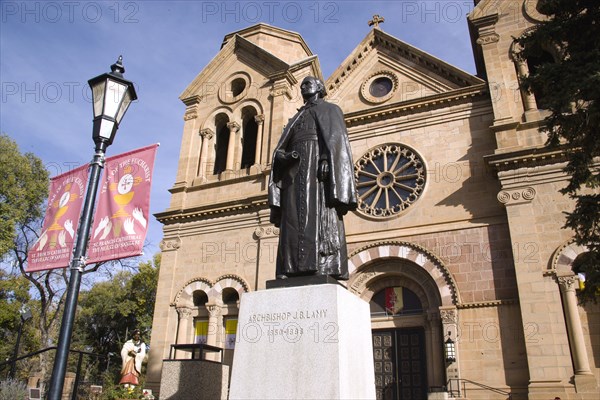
(290, 326)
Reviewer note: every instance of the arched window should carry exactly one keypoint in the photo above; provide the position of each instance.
(230, 296)
(395, 300)
(222, 142)
(527, 62)
(250, 132)
(533, 63)
(200, 298)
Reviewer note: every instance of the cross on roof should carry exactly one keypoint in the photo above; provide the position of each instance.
(376, 21)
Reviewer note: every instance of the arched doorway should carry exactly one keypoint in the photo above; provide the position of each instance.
(399, 352)
(408, 289)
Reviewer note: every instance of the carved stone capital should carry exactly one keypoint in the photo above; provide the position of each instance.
(488, 39)
(259, 119)
(191, 111)
(568, 283)
(233, 126)
(449, 316)
(214, 310)
(269, 231)
(190, 115)
(170, 244)
(184, 312)
(515, 196)
(207, 133)
(280, 89)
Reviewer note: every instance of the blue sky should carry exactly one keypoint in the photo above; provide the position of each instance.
(49, 50)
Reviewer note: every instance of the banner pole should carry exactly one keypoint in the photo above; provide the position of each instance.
(76, 268)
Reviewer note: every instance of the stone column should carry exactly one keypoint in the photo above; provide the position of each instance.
(259, 119)
(183, 330)
(186, 169)
(529, 103)
(567, 286)
(449, 317)
(215, 323)
(280, 96)
(433, 336)
(206, 135)
(234, 129)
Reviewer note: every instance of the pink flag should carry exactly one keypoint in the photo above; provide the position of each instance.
(54, 247)
(122, 213)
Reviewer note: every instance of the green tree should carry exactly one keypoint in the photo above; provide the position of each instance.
(23, 189)
(112, 309)
(570, 87)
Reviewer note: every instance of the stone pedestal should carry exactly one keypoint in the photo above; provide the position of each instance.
(194, 380)
(309, 342)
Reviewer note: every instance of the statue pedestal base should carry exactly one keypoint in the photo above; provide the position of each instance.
(308, 342)
(194, 380)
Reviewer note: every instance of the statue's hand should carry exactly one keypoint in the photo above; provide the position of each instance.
(323, 174)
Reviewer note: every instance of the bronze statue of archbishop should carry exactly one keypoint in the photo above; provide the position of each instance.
(312, 187)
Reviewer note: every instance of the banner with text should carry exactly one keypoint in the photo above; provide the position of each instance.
(54, 247)
(122, 214)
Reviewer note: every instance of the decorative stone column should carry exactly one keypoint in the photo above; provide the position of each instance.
(280, 95)
(206, 135)
(259, 119)
(567, 286)
(267, 238)
(449, 317)
(234, 129)
(434, 336)
(215, 324)
(183, 330)
(186, 169)
(529, 103)
(527, 98)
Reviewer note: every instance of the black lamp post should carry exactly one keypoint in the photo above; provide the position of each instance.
(25, 313)
(111, 95)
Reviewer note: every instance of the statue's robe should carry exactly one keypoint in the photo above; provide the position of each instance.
(308, 210)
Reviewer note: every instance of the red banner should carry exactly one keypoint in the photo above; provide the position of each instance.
(54, 247)
(122, 214)
(393, 300)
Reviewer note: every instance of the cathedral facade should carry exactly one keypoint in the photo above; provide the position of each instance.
(457, 243)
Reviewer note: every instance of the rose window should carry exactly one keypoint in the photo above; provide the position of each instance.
(389, 178)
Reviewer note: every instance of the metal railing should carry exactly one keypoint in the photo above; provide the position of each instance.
(81, 354)
(455, 390)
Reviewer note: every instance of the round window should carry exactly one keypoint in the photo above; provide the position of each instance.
(379, 87)
(389, 179)
(237, 86)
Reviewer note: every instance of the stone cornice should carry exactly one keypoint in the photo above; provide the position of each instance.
(425, 60)
(269, 30)
(532, 157)
(378, 38)
(422, 104)
(213, 210)
(491, 303)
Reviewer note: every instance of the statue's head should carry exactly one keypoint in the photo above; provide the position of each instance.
(311, 86)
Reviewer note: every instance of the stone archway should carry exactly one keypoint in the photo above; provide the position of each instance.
(213, 310)
(394, 263)
(362, 268)
(561, 267)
